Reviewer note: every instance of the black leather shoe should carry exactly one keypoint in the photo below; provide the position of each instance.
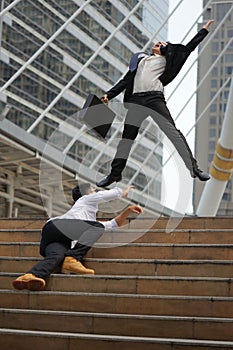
(108, 180)
(202, 176)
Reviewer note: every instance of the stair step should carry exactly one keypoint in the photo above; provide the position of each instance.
(162, 267)
(146, 267)
(133, 284)
(119, 324)
(26, 339)
(15, 235)
(178, 236)
(134, 251)
(203, 306)
(199, 223)
(164, 251)
(34, 223)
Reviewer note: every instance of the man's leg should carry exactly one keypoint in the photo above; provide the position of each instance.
(119, 162)
(73, 262)
(164, 120)
(54, 256)
(132, 124)
(34, 278)
(53, 246)
(86, 241)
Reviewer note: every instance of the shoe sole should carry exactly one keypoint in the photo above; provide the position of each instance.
(201, 179)
(98, 184)
(32, 285)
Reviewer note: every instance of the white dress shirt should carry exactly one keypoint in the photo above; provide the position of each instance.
(148, 72)
(86, 207)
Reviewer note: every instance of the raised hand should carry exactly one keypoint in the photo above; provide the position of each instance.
(126, 191)
(206, 26)
(135, 209)
(104, 99)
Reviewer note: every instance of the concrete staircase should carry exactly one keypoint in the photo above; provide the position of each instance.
(165, 290)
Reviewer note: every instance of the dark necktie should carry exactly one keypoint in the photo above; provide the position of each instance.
(134, 60)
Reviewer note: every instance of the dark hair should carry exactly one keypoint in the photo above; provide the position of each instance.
(80, 190)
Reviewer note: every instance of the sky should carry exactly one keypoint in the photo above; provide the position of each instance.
(178, 185)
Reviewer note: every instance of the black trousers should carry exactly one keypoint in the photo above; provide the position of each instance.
(140, 107)
(55, 244)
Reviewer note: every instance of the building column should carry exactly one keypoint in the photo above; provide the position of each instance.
(222, 166)
(10, 200)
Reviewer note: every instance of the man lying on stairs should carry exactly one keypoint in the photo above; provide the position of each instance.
(66, 239)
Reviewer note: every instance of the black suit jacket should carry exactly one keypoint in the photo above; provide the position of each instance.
(175, 54)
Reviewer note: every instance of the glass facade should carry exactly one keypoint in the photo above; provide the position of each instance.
(102, 36)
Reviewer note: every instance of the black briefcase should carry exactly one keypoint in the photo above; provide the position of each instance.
(96, 115)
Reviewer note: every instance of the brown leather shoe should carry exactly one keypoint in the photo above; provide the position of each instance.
(30, 282)
(71, 265)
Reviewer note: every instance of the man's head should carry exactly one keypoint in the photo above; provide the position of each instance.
(156, 48)
(81, 190)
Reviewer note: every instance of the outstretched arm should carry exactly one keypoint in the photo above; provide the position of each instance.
(106, 196)
(199, 36)
(121, 219)
(117, 89)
